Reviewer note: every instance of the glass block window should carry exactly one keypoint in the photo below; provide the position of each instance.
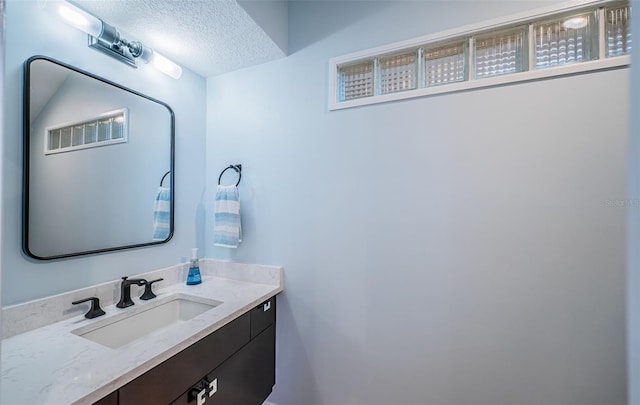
(398, 72)
(444, 64)
(509, 50)
(90, 132)
(566, 40)
(355, 81)
(109, 128)
(65, 139)
(618, 30)
(77, 135)
(499, 53)
(117, 127)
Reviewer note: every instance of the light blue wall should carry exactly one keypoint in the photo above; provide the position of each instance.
(457, 249)
(30, 31)
(2, 45)
(272, 17)
(633, 240)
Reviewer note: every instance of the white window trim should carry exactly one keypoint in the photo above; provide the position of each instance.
(124, 139)
(471, 30)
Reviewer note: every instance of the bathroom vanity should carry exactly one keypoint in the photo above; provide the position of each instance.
(233, 365)
(223, 354)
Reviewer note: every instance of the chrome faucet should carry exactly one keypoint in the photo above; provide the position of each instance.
(125, 291)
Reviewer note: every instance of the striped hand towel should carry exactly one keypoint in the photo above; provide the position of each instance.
(162, 214)
(227, 231)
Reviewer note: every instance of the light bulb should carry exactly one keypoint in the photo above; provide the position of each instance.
(78, 18)
(165, 65)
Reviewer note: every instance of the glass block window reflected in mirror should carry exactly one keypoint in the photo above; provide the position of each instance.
(109, 128)
(90, 133)
(65, 139)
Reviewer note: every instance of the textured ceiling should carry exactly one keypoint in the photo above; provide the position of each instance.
(209, 37)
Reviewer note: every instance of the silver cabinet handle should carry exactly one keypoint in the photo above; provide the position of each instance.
(213, 387)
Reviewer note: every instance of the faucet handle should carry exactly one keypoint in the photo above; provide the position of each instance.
(148, 293)
(95, 309)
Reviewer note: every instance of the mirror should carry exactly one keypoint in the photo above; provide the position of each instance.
(98, 164)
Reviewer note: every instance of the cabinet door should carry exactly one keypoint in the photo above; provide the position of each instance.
(262, 316)
(165, 382)
(246, 378)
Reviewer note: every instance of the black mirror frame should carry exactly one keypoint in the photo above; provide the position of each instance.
(26, 160)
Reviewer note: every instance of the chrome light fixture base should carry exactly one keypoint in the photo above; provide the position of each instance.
(123, 54)
(110, 43)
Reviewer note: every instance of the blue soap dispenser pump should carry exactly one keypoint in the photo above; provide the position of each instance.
(194, 276)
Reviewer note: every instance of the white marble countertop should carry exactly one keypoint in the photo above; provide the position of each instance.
(50, 365)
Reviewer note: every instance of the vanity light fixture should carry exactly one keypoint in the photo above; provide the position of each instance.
(106, 38)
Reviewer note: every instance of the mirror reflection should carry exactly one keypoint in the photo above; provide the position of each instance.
(98, 164)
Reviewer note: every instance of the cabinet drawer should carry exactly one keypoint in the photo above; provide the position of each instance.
(170, 379)
(246, 378)
(262, 316)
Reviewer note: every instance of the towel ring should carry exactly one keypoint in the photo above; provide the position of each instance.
(165, 175)
(237, 168)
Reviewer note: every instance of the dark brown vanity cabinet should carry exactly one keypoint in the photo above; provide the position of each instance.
(246, 378)
(234, 365)
(111, 399)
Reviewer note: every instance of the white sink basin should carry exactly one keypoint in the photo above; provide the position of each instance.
(141, 321)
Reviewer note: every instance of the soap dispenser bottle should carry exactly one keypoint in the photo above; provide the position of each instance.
(194, 276)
